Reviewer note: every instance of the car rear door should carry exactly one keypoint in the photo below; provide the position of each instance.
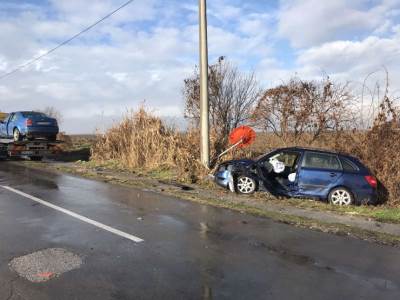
(318, 174)
(10, 124)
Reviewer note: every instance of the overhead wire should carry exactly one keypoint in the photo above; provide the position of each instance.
(65, 42)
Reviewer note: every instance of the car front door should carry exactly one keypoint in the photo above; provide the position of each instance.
(283, 182)
(318, 174)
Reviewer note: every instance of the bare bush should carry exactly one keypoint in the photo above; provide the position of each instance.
(52, 112)
(301, 111)
(232, 96)
(142, 141)
(378, 148)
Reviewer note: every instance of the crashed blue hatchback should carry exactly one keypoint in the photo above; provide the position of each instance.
(302, 173)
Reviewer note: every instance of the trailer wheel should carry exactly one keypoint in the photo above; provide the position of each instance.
(17, 135)
(36, 158)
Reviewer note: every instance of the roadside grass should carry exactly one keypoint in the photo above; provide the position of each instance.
(379, 213)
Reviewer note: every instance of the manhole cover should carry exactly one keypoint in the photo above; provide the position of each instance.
(46, 264)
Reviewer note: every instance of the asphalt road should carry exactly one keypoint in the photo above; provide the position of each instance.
(182, 251)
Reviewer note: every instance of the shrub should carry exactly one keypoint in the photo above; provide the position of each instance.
(142, 141)
(302, 111)
(378, 148)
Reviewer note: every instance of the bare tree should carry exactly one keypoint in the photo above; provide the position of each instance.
(303, 110)
(52, 112)
(232, 96)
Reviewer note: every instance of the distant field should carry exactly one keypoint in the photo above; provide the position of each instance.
(2, 116)
(82, 140)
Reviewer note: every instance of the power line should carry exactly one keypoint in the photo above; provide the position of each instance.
(65, 42)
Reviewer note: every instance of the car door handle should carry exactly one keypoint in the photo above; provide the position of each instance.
(333, 174)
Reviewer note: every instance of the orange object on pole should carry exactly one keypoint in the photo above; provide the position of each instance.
(243, 136)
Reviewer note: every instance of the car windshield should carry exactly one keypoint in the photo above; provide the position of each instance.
(264, 155)
(32, 114)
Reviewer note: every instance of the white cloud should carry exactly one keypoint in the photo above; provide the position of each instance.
(353, 58)
(223, 10)
(312, 22)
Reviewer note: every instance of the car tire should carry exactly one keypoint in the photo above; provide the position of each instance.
(246, 184)
(17, 135)
(340, 196)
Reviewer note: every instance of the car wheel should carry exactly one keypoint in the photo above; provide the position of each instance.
(340, 196)
(246, 185)
(17, 135)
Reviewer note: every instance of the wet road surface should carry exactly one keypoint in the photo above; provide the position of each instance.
(189, 251)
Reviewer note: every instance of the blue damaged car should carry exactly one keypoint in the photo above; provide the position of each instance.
(30, 125)
(304, 173)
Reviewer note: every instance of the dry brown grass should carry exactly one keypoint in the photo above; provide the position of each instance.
(378, 148)
(142, 141)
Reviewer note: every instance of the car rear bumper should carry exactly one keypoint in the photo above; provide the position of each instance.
(41, 131)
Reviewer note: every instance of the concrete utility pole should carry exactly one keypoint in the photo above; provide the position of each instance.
(204, 105)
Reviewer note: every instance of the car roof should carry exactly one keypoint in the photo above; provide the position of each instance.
(310, 149)
(296, 148)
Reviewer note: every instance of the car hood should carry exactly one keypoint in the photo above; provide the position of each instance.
(239, 162)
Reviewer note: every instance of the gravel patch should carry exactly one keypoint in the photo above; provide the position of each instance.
(44, 265)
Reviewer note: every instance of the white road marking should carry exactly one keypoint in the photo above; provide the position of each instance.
(75, 215)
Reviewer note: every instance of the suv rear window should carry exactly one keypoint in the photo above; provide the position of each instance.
(321, 161)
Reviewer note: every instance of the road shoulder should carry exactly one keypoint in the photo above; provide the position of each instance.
(262, 204)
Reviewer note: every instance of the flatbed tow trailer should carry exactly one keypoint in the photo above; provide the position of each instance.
(33, 150)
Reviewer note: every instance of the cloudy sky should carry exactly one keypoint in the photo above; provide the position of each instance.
(144, 52)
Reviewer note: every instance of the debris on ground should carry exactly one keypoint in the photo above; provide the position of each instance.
(44, 265)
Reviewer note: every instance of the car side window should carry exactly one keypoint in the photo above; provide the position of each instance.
(14, 118)
(348, 165)
(321, 161)
(288, 158)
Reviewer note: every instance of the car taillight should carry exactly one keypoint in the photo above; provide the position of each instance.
(28, 122)
(371, 181)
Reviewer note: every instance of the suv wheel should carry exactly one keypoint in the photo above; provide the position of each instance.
(340, 196)
(246, 184)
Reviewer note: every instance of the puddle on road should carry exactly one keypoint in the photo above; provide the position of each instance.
(44, 265)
